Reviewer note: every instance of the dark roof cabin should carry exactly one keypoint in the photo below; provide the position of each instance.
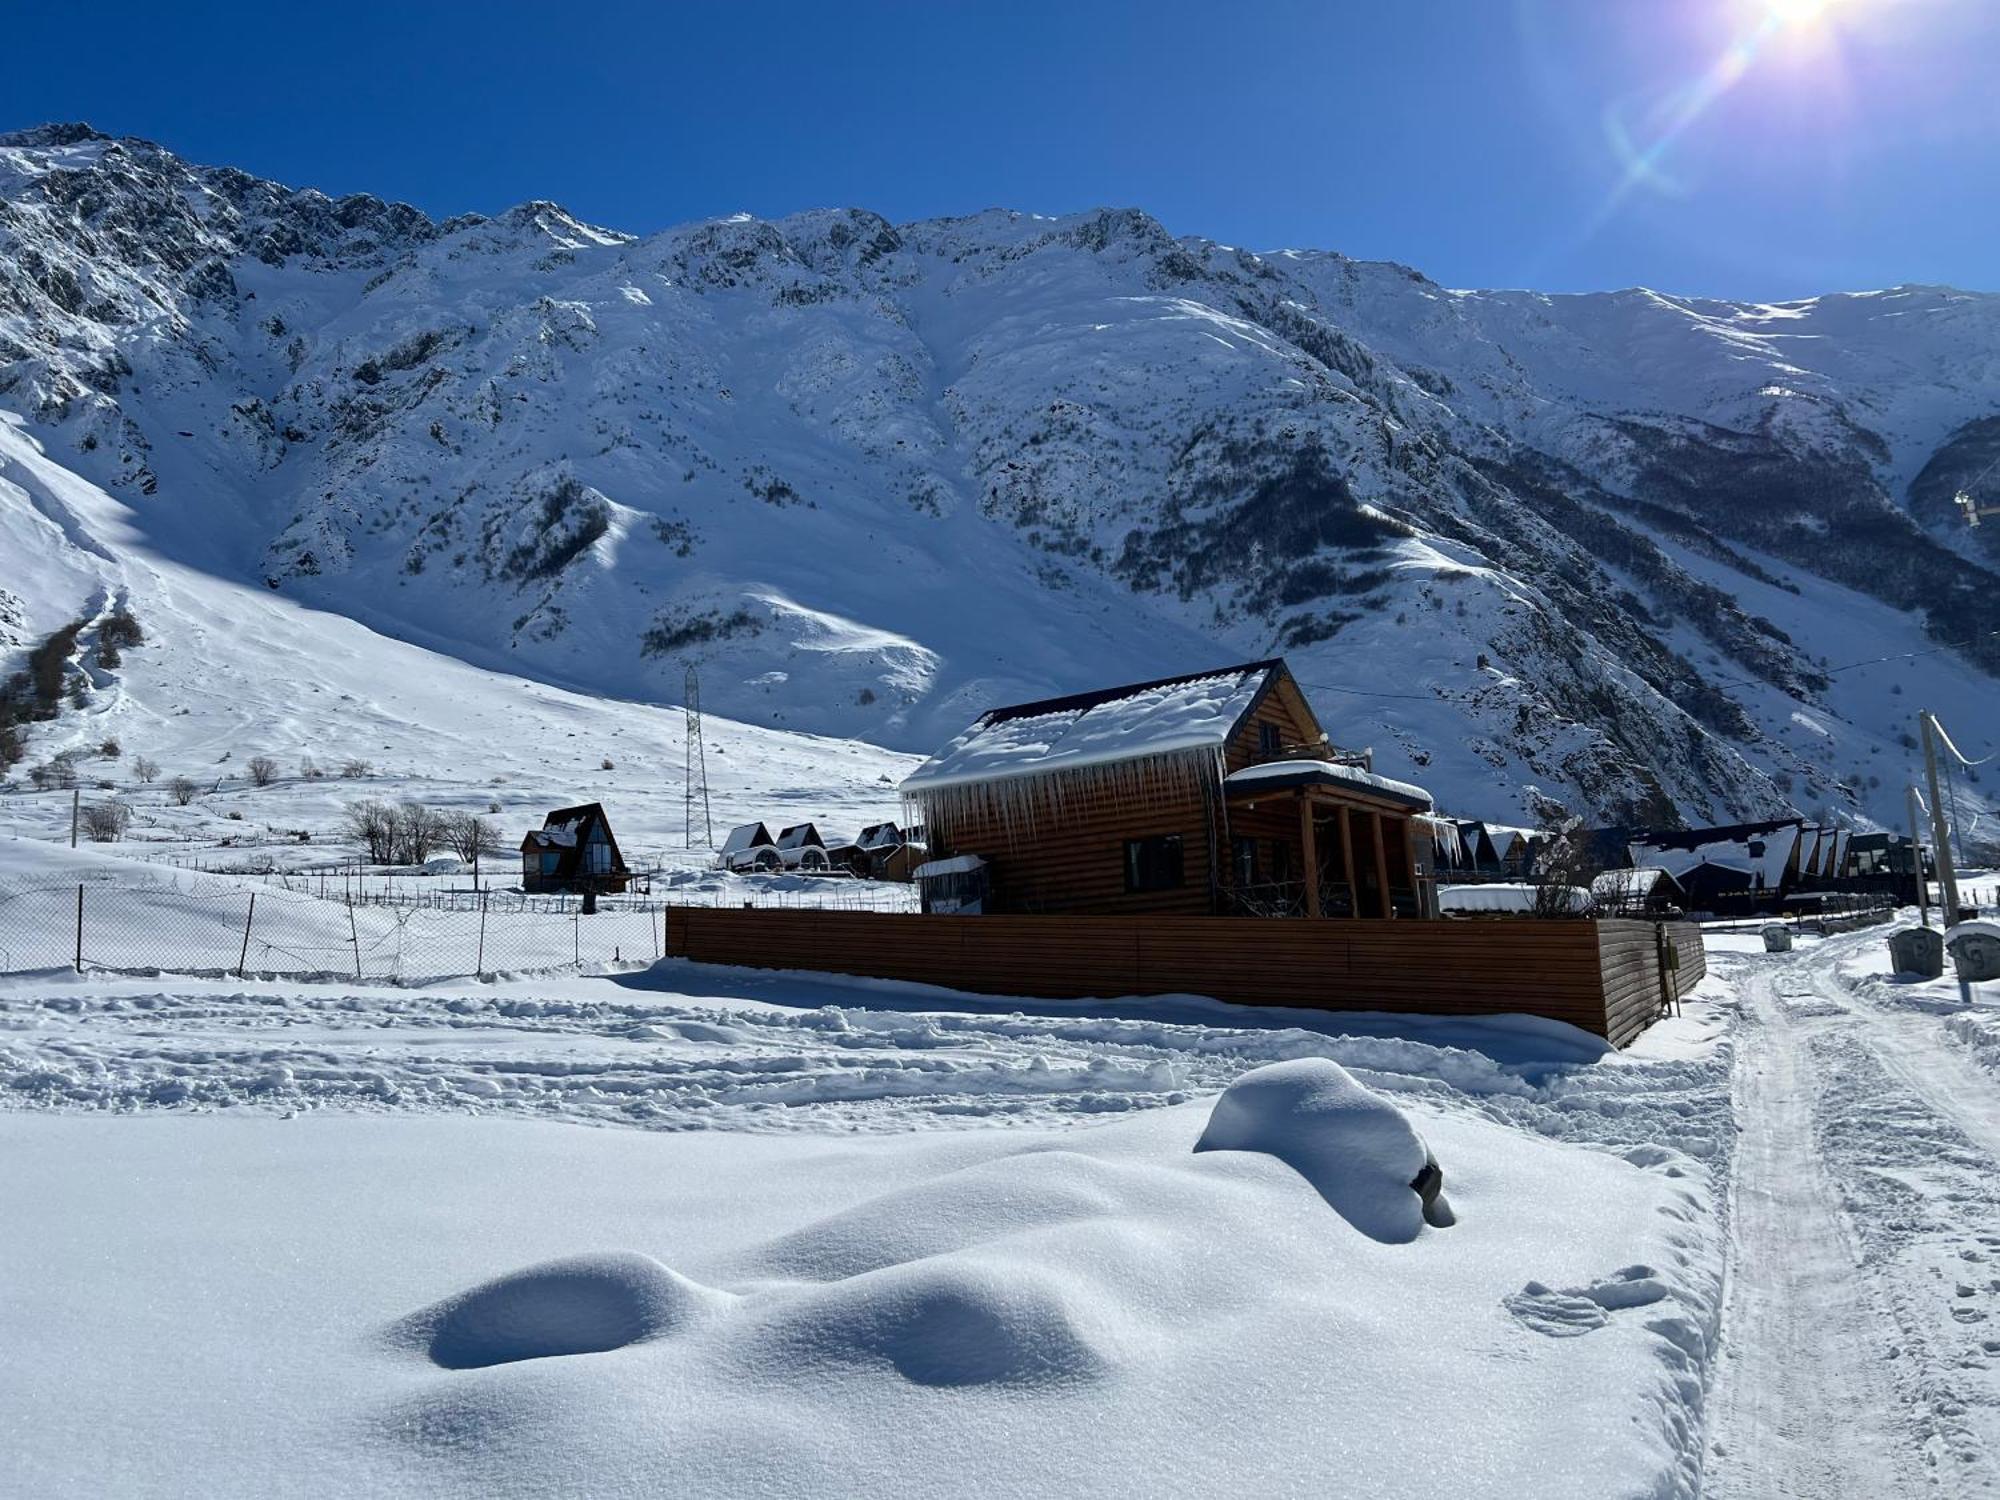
(573, 850)
(1739, 867)
(801, 847)
(1213, 792)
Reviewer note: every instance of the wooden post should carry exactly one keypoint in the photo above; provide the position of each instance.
(1410, 864)
(479, 958)
(1309, 839)
(75, 812)
(243, 958)
(1347, 872)
(1381, 863)
(354, 937)
(79, 929)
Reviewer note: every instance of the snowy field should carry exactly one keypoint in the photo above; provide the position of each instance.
(675, 1229)
(835, 1215)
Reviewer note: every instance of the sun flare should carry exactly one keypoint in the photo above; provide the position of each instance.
(1790, 14)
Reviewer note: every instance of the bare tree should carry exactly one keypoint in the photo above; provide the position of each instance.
(59, 773)
(146, 769)
(183, 790)
(468, 835)
(105, 822)
(354, 770)
(1563, 865)
(418, 830)
(372, 824)
(263, 770)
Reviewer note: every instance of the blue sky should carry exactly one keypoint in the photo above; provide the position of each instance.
(1752, 148)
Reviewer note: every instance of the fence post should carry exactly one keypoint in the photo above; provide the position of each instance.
(479, 959)
(79, 929)
(243, 958)
(576, 941)
(354, 936)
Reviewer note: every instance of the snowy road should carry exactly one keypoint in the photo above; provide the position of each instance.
(1859, 1349)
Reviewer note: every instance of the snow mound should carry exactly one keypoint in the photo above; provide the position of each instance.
(581, 1304)
(956, 1213)
(1358, 1150)
(1577, 1310)
(945, 1323)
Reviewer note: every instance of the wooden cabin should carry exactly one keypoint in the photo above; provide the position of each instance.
(1214, 792)
(889, 851)
(573, 851)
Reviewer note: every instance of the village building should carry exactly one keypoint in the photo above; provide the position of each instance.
(574, 851)
(1214, 792)
(801, 847)
(888, 851)
(1739, 867)
(749, 847)
(1651, 893)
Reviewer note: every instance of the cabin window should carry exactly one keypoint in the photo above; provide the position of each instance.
(1281, 861)
(1243, 857)
(597, 854)
(551, 862)
(1269, 740)
(1154, 864)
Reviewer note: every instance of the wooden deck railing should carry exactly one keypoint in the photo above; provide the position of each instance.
(1606, 977)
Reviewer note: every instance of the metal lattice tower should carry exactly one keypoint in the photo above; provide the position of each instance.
(695, 770)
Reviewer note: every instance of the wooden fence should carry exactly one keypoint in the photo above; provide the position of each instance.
(1604, 976)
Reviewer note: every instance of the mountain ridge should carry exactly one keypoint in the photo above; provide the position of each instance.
(793, 447)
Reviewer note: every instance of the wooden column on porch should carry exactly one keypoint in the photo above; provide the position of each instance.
(1410, 861)
(1347, 871)
(1310, 843)
(1381, 865)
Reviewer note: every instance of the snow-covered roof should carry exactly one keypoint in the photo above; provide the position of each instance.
(745, 836)
(958, 864)
(1283, 773)
(1094, 729)
(799, 835)
(1732, 851)
(1627, 885)
(1513, 897)
(880, 836)
(557, 835)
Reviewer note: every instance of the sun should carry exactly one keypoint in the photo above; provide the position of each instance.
(1798, 14)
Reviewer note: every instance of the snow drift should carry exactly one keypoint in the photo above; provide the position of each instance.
(1356, 1148)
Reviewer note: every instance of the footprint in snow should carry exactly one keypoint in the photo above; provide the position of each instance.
(1565, 1313)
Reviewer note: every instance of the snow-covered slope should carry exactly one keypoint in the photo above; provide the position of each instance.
(876, 478)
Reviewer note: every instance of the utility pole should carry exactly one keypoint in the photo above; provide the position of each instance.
(1947, 875)
(75, 810)
(695, 762)
(1917, 861)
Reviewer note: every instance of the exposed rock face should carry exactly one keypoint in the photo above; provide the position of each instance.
(1603, 550)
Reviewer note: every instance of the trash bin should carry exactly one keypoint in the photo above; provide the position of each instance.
(1777, 938)
(1975, 950)
(1919, 951)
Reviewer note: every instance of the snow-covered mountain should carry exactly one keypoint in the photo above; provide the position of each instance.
(1614, 550)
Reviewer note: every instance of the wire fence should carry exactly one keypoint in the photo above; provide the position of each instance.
(161, 929)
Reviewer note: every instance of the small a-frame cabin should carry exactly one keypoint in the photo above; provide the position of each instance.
(748, 847)
(1215, 792)
(573, 851)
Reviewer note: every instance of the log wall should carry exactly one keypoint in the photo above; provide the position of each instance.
(1602, 976)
